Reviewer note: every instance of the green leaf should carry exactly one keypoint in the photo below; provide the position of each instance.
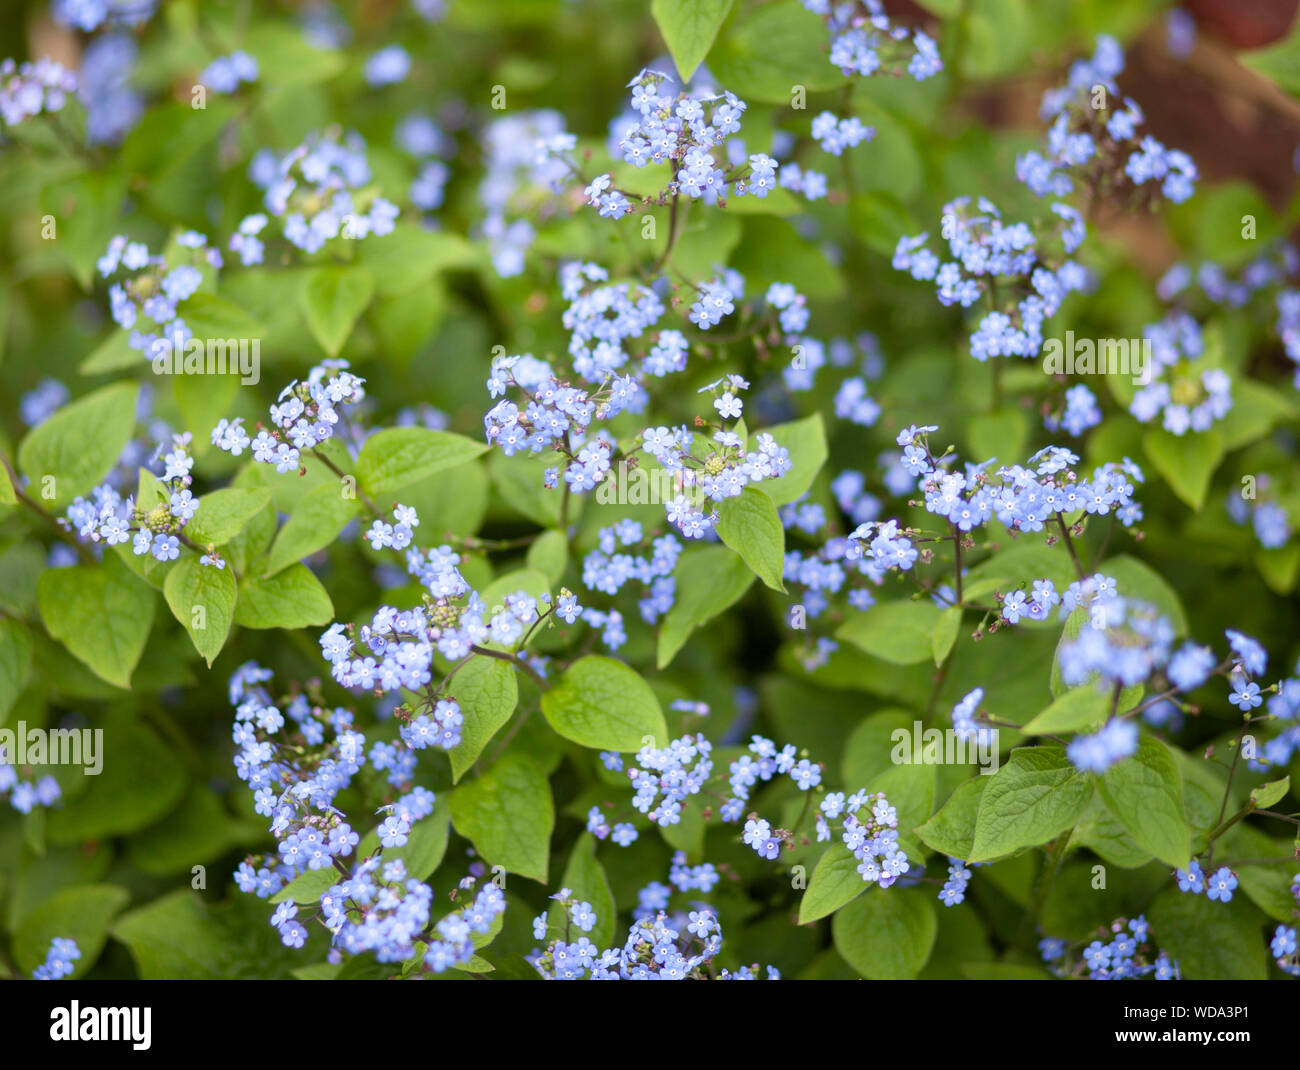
(315, 522)
(749, 524)
(1209, 941)
(951, 831)
(1279, 61)
(88, 208)
(293, 598)
(508, 815)
(487, 691)
(202, 597)
(179, 937)
(332, 300)
(1256, 409)
(1076, 710)
(585, 877)
(141, 780)
(887, 935)
(1187, 462)
(1279, 567)
(868, 751)
(217, 319)
(945, 634)
(1145, 792)
(1034, 797)
(898, 632)
(101, 613)
(835, 882)
(198, 830)
(769, 51)
(82, 913)
(549, 554)
(410, 255)
(1001, 435)
(689, 27)
(113, 354)
(709, 581)
(15, 662)
(78, 445)
(603, 704)
(403, 455)
(1103, 833)
(286, 56)
(1267, 795)
(1268, 884)
(223, 513)
(307, 887)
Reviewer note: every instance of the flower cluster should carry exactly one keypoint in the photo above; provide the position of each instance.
(305, 415)
(1217, 887)
(1272, 273)
(28, 89)
(834, 134)
(607, 569)
(953, 892)
(1097, 141)
(145, 301)
(388, 66)
(662, 944)
(26, 795)
(1283, 707)
(965, 725)
(319, 190)
(664, 778)
(154, 526)
(655, 949)
(419, 136)
(90, 15)
(295, 762)
(1123, 641)
(682, 131)
(872, 840)
(455, 933)
(1007, 264)
(396, 649)
(1080, 412)
(227, 73)
(1115, 741)
(1127, 954)
(557, 415)
(1284, 947)
(1187, 395)
(524, 167)
(712, 470)
(1024, 499)
(864, 41)
(59, 960)
(104, 87)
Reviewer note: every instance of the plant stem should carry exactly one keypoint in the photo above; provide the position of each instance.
(517, 662)
(86, 556)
